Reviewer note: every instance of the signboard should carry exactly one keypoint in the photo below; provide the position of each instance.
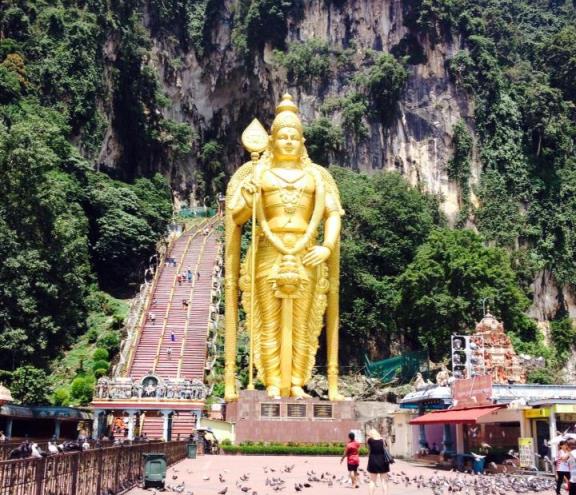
(430, 404)
(542, 412)
(526, 452)
(565, 408)
(472, 392)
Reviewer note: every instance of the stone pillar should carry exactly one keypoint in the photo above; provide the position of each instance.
(57, 425)
(525, 427)
(553, 433)
(131, 424)
(166, 425)
(8, 431)
(459, 439)
(198, 414)
(447, 439)
(421, 429)
(96, 424)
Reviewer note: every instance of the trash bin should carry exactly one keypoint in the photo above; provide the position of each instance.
(191, 450)
(478, 465)
(154, 469)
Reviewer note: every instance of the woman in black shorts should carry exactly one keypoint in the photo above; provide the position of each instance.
(378, 465)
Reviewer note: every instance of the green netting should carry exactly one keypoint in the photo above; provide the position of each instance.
(196, 212)
(400, 369)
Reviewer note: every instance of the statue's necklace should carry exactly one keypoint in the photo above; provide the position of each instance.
(290, 195)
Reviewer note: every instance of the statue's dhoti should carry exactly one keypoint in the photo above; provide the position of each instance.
(287, 321)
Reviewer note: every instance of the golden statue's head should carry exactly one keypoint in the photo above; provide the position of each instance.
(287, 140)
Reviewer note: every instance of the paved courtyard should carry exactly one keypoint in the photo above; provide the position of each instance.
(261, 475)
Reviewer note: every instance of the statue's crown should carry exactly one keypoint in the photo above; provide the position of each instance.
(286, 115)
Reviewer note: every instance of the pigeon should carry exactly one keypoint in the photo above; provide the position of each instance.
(223, 491)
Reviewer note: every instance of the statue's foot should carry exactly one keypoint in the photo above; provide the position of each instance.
(336, 396)
(230, 394)
(298, 393)
(273, 392)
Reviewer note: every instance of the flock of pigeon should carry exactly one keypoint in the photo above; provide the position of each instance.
(286, 481)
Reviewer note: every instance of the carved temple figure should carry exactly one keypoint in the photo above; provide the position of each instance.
(443, 376)
(288, 279)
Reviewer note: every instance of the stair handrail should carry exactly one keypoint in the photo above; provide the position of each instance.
(142, 319)
(214, 314)
(133, 330)
(192, 291)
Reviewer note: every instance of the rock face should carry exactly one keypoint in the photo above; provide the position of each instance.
(218, 94)
(549, 298)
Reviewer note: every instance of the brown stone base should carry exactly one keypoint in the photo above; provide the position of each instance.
(260, 419)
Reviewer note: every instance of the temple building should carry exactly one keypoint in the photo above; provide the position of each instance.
(500, 359)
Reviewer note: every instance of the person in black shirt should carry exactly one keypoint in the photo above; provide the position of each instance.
(378, 462)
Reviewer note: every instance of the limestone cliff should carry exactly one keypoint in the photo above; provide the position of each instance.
(217, 91)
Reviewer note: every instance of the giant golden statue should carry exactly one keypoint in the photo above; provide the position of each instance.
(288, 279)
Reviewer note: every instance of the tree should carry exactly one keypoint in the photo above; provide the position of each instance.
(30, 386)
(559, 56)
(442, 288)
(386, 220)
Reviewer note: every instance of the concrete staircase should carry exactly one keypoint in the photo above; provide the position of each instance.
(152, 426)
(174, 345)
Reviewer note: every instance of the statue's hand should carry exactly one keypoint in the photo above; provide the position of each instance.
(248, 190)
(316, 255)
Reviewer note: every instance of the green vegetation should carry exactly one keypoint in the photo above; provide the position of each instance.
(322, 138)
(287, 449)
(91, 355)
(518, 65)
(383, 83)
(441, 290)
(459, 165)
(188, 20)
(306, 61)
(386, 221)
(66, 230)
(257, 22)
(408, 278)
(374, 94)
(29, 385)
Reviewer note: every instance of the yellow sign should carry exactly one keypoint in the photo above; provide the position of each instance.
(565, 408)
(526, 452)
(542, 412)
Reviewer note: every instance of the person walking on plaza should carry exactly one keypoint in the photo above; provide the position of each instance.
(352, 456)
(379, 460)
(189, 274)
(172, 336)
(562, 466)
(571, 448)
(152, 317)
(179, 279)
(169, 352)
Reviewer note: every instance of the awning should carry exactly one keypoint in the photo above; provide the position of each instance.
(454, 416)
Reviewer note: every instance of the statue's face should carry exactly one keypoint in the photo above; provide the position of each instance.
(287, 144)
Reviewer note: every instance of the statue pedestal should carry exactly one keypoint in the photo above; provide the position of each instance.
(261, 419)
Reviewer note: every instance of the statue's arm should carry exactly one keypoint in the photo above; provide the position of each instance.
(242, 202)
(332, 226)
(332, 222)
